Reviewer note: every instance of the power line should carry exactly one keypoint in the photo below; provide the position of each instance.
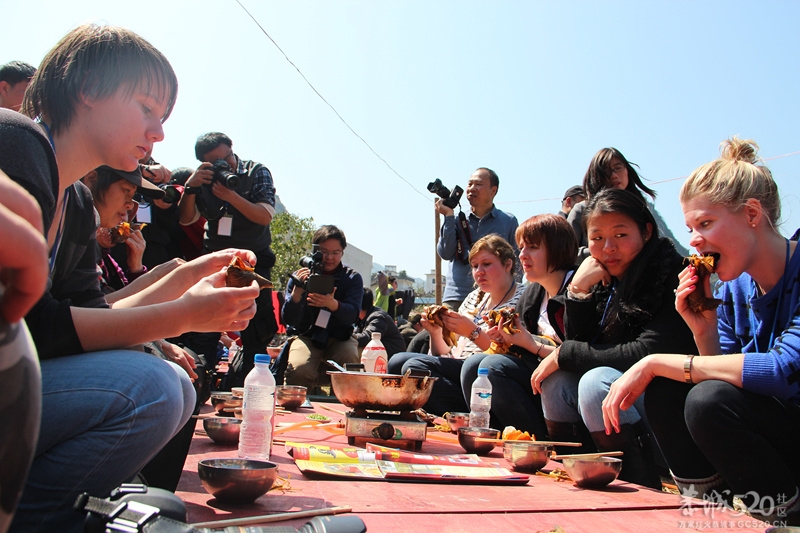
(426, 196)
(649, 183)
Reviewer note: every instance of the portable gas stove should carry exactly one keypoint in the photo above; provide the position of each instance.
(403, 429)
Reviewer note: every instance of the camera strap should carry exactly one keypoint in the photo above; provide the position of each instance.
(129, 516)
(135, 513)
(464, 238)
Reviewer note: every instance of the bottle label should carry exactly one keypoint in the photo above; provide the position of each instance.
(258, 398)
(484, 395)
(374, 359)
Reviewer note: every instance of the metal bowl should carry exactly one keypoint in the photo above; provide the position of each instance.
(525, 455)
(592, 472)
(290, 396)
(225, 403)
(467, 436)
(218, 399)
(223, 430)
(457, 421)
(237, 480)
(381, 392)
(238, 392)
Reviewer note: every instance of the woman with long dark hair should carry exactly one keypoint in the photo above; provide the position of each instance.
(609, 169)
(619, 309)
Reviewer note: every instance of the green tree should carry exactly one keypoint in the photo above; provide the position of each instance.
(291, 240)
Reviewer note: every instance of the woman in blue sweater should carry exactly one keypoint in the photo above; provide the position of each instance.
(706, 410)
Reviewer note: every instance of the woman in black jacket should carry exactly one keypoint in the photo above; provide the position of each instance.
(547, 248)
(619, 308)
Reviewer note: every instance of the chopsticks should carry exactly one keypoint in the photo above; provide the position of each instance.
(323, 406)
(308, 424)
(588, 455)
(545, 442)
(279, 517)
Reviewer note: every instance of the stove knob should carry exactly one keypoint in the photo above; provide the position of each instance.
(384, 431)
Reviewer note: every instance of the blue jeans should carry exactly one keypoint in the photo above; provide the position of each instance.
(104, 416)
(571, 397)
(446, 395)
(513, 401)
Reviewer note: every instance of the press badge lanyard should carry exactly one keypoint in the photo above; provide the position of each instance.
(225, 222)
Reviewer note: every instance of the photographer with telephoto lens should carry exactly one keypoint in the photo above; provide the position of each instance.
(237, 199)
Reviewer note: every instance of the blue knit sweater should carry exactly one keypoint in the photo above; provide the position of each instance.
(746, 323)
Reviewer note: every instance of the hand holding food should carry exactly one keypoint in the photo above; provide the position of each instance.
(434, 314)
(704, 265)
(505, 320)
(241, 274)
(122, 231)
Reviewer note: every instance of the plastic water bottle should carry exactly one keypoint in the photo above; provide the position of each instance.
(374, 355)
(480, 401)
(258, 411)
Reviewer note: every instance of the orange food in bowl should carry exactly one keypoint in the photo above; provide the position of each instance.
(512, 433)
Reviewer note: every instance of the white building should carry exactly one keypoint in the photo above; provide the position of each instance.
(430, 282)
(358, 260)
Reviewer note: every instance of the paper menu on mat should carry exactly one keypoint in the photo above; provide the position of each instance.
(328, 454)
(404, 456)
(410, 471)
(379, 462)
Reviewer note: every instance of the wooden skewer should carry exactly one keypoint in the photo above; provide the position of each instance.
(589, 455)
(305, 425)
(269, 518)
(323, 406)
(545, 442)
(200, 417)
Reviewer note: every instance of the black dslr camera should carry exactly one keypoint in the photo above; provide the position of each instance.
(141, 509)
(450, 199)
(317, 282)
(313, 262)
(224, 174)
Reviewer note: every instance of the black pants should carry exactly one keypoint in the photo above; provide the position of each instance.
(750, 440)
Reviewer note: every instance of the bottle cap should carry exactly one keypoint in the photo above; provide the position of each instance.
(483, 371)
(263, 358)
(376, 335)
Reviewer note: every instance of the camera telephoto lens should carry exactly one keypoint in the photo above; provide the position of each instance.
(438, 189)
(171, 193)
(224, 175)
(450, 199)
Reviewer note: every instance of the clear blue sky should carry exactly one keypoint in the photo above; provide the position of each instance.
(529, 89)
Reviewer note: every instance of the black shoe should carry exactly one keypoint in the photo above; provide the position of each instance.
(569, 432)
(638, 465)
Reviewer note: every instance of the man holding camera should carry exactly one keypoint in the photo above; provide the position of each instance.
(322, 317)
(237, 199)
(459, 233)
